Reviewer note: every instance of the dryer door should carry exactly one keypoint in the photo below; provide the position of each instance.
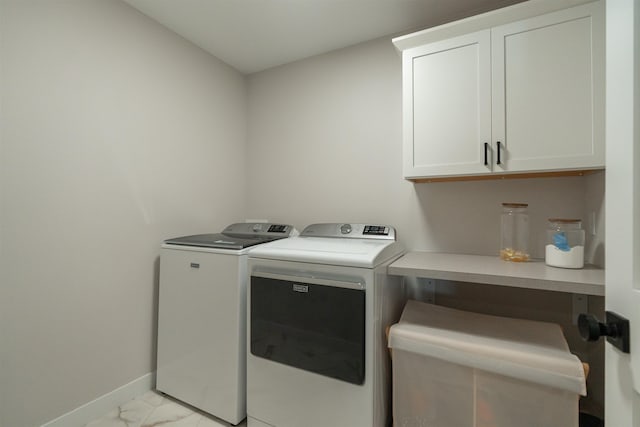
(313, 324)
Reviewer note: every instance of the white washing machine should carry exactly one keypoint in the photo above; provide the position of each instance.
(319, 306)
(202, 317)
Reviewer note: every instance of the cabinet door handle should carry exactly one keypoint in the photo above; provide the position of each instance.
(486, 153)
(499, 162)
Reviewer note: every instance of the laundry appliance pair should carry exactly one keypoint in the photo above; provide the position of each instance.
(307, 315)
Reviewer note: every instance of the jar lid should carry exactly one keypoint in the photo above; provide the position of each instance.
(565, 220)
(515, 205)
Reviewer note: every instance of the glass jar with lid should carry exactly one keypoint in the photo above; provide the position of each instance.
(565, 243)
(514, 232)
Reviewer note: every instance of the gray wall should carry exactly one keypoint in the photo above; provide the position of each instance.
(116, 134)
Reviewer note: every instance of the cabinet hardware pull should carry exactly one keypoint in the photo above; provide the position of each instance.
(486, 148)
(499, 162)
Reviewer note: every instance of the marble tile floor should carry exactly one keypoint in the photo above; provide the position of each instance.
(152, 409)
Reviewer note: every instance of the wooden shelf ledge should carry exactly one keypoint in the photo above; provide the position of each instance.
(499, 176)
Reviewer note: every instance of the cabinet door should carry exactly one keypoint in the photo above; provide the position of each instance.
(548, 91)
(447, 107)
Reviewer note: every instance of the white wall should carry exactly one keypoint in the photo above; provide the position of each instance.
(325, 144)
(115, 134)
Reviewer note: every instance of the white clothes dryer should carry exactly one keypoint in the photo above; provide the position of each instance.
(319, 305)
(202, 315)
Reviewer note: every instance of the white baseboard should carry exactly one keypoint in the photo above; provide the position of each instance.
(102, 405)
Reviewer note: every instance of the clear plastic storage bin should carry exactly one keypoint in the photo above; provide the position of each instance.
(458, 369)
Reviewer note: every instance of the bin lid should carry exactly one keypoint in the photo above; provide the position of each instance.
(524, 349)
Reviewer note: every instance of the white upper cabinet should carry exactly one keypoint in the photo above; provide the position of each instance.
(548, 91)
(448, 111)
(523, 97)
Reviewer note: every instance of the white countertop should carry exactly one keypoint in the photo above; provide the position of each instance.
(492, 270)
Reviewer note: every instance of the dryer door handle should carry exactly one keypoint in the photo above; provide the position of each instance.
(357, 284)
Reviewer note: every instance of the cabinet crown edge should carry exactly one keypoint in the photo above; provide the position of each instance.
(505, 15)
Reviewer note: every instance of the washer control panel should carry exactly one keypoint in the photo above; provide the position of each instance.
(263, 229)
(278, 228)
(348, 230)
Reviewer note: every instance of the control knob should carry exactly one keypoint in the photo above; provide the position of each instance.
(345, 228)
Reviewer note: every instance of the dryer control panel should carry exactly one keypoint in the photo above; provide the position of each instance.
(348, 230)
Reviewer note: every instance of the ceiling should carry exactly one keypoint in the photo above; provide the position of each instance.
(253, 35)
